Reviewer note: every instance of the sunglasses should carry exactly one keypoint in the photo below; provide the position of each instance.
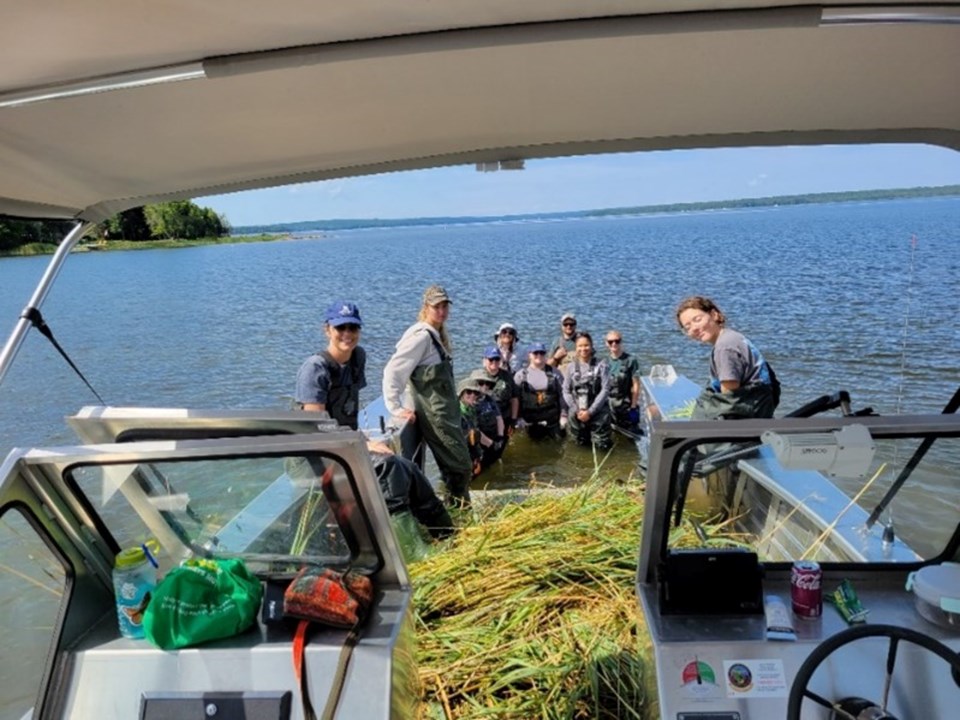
(471, 392)
(539, 352)
(494, 359)
(614, 342)
(347, 327)
(569, 324)
(507, 332)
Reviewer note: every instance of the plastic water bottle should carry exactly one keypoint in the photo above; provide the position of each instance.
(134, 577)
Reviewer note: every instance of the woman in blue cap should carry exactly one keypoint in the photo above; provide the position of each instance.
(540, 390)
(331, 379)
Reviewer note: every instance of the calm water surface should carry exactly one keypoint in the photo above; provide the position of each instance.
(824, 290)
(835, 295)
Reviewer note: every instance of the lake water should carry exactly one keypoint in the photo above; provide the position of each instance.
(825, 291)
(836, 296)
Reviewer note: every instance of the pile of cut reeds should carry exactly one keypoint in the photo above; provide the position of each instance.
(531, 612)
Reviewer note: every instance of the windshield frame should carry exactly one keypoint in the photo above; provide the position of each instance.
(671, 439)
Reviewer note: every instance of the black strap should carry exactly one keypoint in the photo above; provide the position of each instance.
(36, 319)
(441, 350)
(339, 677)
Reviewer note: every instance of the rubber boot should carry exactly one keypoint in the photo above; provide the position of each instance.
(412, 545)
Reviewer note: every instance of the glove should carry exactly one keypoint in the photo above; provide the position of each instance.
(633, 415)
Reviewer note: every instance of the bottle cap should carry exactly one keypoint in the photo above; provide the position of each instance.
(131, 557)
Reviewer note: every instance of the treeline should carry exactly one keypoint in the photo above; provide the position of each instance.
(808, 199)
(812, 198)
(177, 220)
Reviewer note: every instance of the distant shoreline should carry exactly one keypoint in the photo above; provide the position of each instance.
(808, 199)
(283, 231)
(113, 245)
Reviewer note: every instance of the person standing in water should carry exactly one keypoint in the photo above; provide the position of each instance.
(542, 409)
(586, 390)
(742, 384)
(423, 359)
(624, 384)
(506, 339)
(561, 354)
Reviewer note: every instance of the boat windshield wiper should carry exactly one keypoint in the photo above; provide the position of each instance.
(948, 409)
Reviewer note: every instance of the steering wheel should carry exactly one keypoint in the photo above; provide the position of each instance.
(799, 690)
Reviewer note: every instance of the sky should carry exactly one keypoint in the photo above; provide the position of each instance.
(597, 181)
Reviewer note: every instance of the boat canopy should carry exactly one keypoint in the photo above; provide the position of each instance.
(110, 104)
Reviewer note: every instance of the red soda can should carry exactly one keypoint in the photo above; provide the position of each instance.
(805, 593)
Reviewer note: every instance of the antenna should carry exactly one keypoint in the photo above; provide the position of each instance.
(888, 525)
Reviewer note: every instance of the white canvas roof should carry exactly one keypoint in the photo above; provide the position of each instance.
(296, 90)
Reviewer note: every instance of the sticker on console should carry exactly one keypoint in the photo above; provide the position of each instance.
(755, 678)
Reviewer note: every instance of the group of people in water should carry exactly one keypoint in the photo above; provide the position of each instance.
(468, 425)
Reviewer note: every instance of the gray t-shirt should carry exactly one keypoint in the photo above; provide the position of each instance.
(315, 385)
(735, 358)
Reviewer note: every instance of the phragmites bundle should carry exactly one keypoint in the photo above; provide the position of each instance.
(531, 613)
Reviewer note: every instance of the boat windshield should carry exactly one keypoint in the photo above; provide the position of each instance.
(275, 512)
(894, 503)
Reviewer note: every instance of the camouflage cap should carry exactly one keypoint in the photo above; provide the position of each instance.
(435, 294)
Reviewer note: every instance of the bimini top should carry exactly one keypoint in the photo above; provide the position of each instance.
(109, 104)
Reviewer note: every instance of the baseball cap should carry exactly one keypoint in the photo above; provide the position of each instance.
(343, 313)
(493, 353)
(435, 294)
(537, 347)
(568, 316)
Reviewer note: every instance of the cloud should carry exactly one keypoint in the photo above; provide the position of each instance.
(758, 180)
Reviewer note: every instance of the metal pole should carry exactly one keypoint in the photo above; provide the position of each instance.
(12, 346)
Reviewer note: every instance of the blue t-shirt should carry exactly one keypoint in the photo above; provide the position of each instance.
(323, 381)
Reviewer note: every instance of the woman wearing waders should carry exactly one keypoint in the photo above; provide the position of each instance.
(330, 381)
(586, 389)
(742, 384)
(423, 360)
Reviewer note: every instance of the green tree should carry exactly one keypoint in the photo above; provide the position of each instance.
(183, 219)
(128, 225)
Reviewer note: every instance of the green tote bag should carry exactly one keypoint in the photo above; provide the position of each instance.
(202, 600)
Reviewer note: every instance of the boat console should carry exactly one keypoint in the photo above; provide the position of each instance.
(725, 541)
(280, 492)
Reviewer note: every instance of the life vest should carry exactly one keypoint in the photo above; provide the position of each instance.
(343, 398)
(587, 381)
(487, 414)
(502, 392)
(540, 405)
(471, 432)
(621, 380)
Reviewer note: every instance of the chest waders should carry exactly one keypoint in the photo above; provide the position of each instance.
(502, 392)
(621, 381)
(587, 383)
(438, 419)
(540, 406)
